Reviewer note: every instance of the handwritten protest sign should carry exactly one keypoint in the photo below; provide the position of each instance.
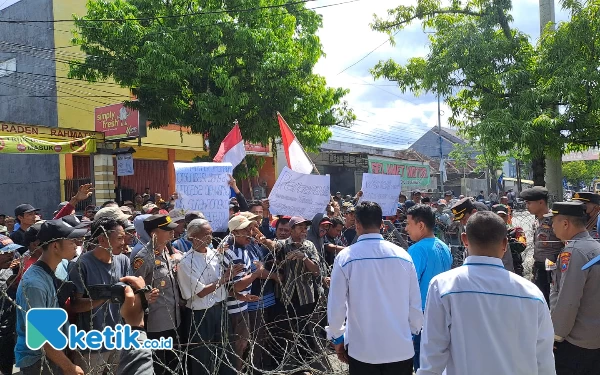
(204, 187)
(298, 194)
(382, 189)
(415, 175)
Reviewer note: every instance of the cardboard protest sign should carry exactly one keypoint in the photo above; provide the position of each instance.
(204, 187)
(298, 194)
(382, 189)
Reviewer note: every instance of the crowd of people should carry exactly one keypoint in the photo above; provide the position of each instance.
(435, 288)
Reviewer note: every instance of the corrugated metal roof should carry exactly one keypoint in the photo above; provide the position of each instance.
(392, 138)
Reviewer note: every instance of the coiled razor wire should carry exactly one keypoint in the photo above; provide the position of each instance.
(292, 344)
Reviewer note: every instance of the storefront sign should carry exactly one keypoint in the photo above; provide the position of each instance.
(30, 145)
(46, 133)
(415, 175)
(257, 149)
(117, 122)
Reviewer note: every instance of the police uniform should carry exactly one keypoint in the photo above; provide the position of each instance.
(157, 269)
(587, 197)
(575, 300)
(464, 207)
(545, 244)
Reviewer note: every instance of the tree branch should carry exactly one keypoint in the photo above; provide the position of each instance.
(421, 15)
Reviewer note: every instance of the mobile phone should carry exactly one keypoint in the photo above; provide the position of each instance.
(115, 292)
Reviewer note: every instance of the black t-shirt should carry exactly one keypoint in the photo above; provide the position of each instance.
(18, 237)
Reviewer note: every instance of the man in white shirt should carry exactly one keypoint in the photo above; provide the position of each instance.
(374, 301)
(482, 319)
(202, 285)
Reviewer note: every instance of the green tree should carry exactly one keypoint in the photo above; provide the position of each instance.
(205, 63)
(581, 171)
(486, 71)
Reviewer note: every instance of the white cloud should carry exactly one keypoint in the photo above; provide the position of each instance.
(379, 105)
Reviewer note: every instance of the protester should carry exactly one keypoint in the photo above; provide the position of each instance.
(282, 228)
(258, 209)
(143, 236)
(574, 302)
(237, 302)
(332, 242)
(183, 244)
(9, 222)
(203, 286)
(298, 263)
(349, 234)
(370, 330)
(25, 217)
(37, 290)
(430, 256)
(517, 242)
(546, 246)
(103, 265)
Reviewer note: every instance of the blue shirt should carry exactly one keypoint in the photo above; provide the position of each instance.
(237, 255)
(264, 289)
(35, 290)
(430, 257)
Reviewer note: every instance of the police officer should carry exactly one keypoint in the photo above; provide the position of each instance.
(156, 265)
(575, 293)
(545, 243)
(592, 209)
(462, 211)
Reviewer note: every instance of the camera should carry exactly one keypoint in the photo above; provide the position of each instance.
(115, 292)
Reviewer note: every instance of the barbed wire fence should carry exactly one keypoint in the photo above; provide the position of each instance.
(290, 340)
(293, 340)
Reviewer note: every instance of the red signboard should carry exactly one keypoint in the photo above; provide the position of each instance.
(117, 122)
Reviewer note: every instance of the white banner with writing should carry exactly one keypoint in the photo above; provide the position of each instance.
(124, 165)
(298, 194)
(204, 187)
(382, 189)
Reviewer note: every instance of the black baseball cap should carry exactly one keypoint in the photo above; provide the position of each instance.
(31, 234)
(576, 209)
(54, 230)
(163, 222)
(24, 208)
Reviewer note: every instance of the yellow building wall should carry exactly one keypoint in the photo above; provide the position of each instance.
(76, 100)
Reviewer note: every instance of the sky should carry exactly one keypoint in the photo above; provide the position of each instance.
(381, 107)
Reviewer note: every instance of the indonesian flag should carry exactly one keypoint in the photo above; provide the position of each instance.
(232, 148)
(297, 159)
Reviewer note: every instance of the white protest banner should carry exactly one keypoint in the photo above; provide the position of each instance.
(298, 194)
(204, 187)
(383, 189)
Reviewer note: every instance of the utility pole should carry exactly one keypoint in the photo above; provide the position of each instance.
(553, 165)
(442, 165)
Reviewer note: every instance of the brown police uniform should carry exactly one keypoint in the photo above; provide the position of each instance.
(575, 301)
(587, 197)
(545, 244)
(157, 269)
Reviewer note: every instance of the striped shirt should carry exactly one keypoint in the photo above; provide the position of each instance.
(237, 255)
(264, 289)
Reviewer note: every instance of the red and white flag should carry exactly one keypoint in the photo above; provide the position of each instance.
(232, 148)
(297, 159)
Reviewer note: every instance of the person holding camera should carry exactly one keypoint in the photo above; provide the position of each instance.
(37, 289)
(104, 265)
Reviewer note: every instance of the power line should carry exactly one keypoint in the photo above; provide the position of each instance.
(369, 53)
(174, 16)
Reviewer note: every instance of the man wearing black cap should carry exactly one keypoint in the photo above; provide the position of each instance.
(545, 244)
(157, 266)
(25, 216)
(37, 289)
(462, 211)
(574, 297)
(592, 209)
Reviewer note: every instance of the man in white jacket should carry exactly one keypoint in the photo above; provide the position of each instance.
(482, 319)
(374, 303)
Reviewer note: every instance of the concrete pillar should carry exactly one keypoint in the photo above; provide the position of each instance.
(104, 178)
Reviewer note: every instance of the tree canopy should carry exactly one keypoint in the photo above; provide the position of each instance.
(204, 64)
(501, 89)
